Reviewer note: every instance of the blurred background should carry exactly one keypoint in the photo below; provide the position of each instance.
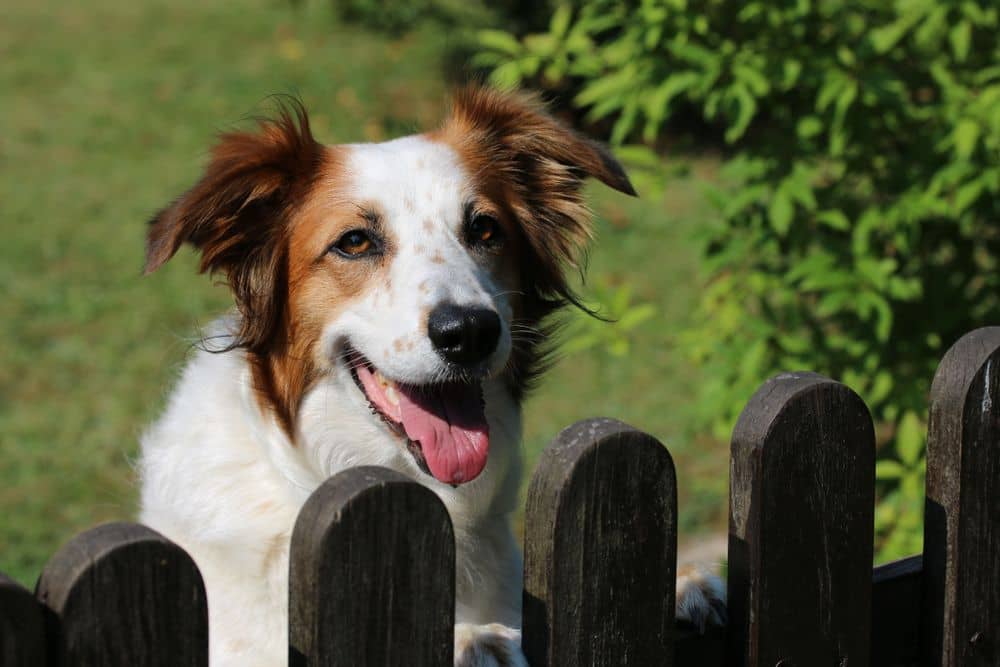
(819, 184)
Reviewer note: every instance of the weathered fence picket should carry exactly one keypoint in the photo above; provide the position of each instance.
(372, 562)
(372, 574)
(22, 627)
(962, 517)
(801, 525)
(122, 594)
(601, 550)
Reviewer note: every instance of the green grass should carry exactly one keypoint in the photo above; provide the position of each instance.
(108, 111)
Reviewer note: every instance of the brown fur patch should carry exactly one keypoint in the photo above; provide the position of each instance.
(319, 286)
(254, 218)
(237, 213)
(532, 168)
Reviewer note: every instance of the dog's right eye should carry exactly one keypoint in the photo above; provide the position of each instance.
(355, 243)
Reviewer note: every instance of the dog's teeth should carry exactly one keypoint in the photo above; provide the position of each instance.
(381, 379)
(390, 395)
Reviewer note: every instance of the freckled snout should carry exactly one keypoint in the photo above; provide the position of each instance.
(463, 334)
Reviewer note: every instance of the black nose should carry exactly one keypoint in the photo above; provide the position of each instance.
(463, 334)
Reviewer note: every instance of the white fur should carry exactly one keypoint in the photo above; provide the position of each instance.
(222, 479)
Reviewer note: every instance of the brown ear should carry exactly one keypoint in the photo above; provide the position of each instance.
(517, 122)
(509, 141)
(235, 214)
(542, 163)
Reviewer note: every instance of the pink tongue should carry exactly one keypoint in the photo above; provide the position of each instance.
(449, 423)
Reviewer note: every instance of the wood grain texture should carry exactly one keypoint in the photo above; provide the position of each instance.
(372, 574)
(601, 550)
(122, 594)
(962, 518)
(801, 526)
(22, 626)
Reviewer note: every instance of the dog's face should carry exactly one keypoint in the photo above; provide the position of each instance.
(407, 272)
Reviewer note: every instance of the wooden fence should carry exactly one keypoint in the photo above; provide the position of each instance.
(372, 567)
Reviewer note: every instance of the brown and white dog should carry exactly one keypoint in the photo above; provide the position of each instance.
(391, 303)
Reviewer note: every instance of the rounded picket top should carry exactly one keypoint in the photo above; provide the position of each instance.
(961, 621)
(801, 521)
(122, 594)
(372, 574)
(601, 549)
(22, 626)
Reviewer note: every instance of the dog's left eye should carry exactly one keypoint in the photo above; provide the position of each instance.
(483, 230)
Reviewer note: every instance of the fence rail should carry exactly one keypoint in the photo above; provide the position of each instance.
(373, 554)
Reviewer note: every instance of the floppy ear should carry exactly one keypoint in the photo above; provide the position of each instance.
(512, 144)
(236, 214)
(542, 165)
(516, 126)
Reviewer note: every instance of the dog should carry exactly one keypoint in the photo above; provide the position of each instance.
(392, 303)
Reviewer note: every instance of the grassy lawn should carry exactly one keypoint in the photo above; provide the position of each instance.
(108, 111)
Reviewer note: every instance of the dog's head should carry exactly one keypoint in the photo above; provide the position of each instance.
(413, 269)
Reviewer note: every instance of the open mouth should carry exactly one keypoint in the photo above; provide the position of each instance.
(444, 424)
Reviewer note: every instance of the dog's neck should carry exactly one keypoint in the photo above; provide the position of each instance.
(275, 441)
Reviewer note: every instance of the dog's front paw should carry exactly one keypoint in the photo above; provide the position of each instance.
(492, 645)
(701, 597)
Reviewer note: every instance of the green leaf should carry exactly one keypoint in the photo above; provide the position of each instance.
(880, 388)
(966, 195)
(559, 23)
(694, 53)
(888, 469)
(542, 45)
(625, 122)
(781, 211)
(790, 71)
(808, 127)
(754, 80)
(833, 83)
(960, 37)
(488, 59)
(672, 86)
(965, 136)
(635, 316)
(910, 439)
(884, 38)
(620, 299)
(746, 107)
(640, 156)
(834, 219)
(498, 40)
(506, 76)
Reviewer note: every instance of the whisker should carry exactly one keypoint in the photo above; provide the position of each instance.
(506, 292)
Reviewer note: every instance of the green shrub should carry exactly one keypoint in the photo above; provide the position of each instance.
(858, 219)
(609, 334)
